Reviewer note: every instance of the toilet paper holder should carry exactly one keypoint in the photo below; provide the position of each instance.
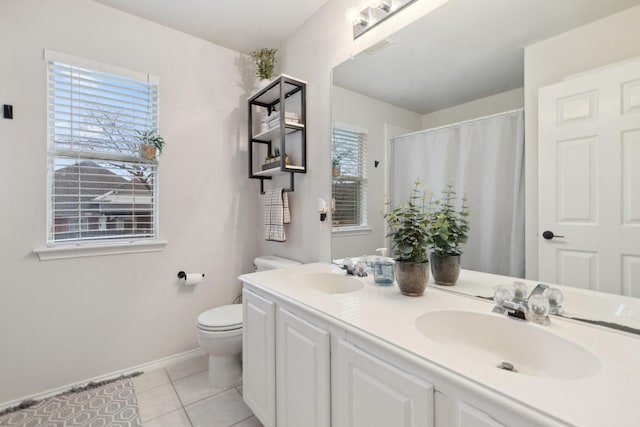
(183, 275)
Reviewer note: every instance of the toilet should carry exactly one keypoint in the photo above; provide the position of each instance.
(220, 332)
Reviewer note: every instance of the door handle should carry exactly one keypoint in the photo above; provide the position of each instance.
(549, 235)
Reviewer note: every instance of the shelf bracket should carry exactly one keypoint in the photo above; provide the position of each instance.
(287, 190)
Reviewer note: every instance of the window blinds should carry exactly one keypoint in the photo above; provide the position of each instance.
(350, 186)
(100, 188)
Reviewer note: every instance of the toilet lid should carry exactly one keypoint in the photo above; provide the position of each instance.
(224, 318)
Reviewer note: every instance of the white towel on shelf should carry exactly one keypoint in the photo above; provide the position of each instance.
(274, 118)
(276, 214)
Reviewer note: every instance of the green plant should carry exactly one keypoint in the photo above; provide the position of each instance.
(265, 60)
(409, 225)
(151, 137)
(448, 228)
(335, 163)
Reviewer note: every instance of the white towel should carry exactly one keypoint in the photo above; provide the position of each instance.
(276, 214)
(274, 118)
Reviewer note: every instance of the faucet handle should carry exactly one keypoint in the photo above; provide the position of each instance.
(555, 297)
(539, 309)
(519, 291)
(501, 294)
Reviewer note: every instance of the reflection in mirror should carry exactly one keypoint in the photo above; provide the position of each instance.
(432, 80)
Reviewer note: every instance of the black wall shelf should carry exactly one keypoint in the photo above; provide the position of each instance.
(284, 98)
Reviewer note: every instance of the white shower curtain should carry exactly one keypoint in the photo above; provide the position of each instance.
(485, 158)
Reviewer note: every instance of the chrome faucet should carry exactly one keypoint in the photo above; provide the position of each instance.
(512, 301)
(359, 269)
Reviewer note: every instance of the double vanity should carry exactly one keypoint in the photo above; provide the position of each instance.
(324, 349)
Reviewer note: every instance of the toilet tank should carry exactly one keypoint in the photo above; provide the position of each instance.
(270, 262)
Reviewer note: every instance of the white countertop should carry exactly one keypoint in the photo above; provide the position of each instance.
(608, 398)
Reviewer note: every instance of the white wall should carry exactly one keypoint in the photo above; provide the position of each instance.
(69, 320)
(608, 40)
(499, 103)
(358, 110)
(322, 42)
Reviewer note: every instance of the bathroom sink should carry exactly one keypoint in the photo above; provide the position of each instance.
(492, 339)
(331, 283)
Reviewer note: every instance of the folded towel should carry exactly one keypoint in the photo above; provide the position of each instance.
(276, 214)
(275, 117)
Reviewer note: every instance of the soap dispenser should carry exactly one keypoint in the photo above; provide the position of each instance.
(384, 269)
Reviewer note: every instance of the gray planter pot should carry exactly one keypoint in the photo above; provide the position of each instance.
(446, 269)
(412, 277)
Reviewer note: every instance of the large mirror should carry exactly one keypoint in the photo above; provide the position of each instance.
(460, 73)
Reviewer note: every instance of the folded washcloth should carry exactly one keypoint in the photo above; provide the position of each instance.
(276, 214)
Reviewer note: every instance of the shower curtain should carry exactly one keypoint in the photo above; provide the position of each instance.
(484, 158)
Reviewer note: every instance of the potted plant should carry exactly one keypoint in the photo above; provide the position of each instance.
(272, 160)
(448, 228)
(409, 225)
(265, 60)
(335, 166)
(150, 142)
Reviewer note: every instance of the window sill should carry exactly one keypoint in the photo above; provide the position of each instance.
(350, 231)
(80, 251)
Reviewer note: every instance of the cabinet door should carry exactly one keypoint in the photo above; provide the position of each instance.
(368, 392)
(258, 357)
(452, 413)
(302, 373)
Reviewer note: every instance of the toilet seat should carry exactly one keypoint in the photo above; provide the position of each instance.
(219, 319)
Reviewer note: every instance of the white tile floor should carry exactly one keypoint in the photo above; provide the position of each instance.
(180, 396)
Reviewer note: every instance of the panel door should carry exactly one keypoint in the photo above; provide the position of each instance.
(302, 373)
(452, 413)
(368, 392)
(258, 357)
(589, 180)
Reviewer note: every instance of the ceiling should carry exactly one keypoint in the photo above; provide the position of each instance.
(464, 50)
(241, 25)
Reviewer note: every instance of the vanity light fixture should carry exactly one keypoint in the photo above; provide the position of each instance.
(375, 12)
(384, 5)
(356, 18)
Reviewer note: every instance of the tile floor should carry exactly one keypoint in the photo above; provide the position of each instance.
(180, 396)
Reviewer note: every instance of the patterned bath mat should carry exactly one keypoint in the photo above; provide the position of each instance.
(106, 404)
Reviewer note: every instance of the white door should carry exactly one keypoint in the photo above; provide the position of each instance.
(367, 392)
(589, 180)
(258, 357)
(302, 373)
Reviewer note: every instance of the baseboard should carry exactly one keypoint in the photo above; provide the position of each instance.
(150, 366)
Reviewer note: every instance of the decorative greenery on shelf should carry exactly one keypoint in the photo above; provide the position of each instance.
(409, 225)
(151, 137)
(335, 163)
(265, 60)
(448, 228)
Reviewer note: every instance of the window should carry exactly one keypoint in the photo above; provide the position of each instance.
(99, 186)
(349, 150)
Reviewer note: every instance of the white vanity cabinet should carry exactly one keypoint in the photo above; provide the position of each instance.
(303, 369)
(368, 392)
(286, 366)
